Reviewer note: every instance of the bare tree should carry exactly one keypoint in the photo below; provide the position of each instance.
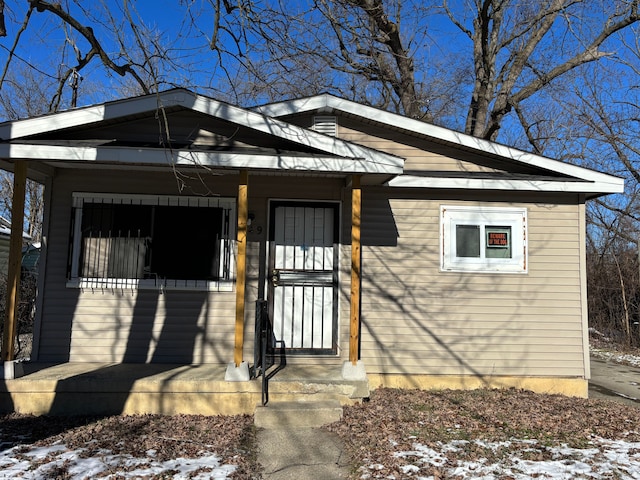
(361, 49)
(382, 52)
(25, 94)
(508, 38)
(82, 47)
(536, 74)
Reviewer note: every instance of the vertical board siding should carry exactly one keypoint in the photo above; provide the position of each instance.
(418, 320)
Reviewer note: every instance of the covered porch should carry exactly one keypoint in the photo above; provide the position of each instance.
(93, 337)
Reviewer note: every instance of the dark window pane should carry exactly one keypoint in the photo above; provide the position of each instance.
(144, 241)
(114, 240)
(104, 220)
(186, 243)
(468, 241)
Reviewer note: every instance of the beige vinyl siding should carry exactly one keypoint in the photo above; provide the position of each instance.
(420, 153)
(416, 158)
(418, 320)
(122, 325)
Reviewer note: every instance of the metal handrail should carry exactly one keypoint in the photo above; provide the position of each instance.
(266, 349)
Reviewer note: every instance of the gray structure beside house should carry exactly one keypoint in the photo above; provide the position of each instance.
(5, 233)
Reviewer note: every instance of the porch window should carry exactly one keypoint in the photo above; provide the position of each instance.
(151, 241)
(483, 239)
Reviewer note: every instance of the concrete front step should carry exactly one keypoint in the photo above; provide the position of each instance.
(311, 414)
(346, 392)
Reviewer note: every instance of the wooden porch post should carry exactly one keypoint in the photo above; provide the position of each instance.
(243, 211)
(354, 330)
(15, 260)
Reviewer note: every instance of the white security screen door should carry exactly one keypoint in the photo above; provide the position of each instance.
(303, 271)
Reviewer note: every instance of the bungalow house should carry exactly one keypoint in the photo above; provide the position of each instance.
(391, 250)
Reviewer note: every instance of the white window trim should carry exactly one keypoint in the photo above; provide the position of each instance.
(514, 217)
(75, 281)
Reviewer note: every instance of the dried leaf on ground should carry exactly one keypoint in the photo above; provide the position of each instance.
(404, 417)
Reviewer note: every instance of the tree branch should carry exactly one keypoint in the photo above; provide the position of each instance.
(3, 28)
(505, 100)
(88, 34)
(15, 42)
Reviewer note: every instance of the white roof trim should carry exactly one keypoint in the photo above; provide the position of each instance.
(240, 116)
(328, 103)
(88, 115)
(152, 156)
(615, 185)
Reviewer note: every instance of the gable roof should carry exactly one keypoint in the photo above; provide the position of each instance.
(202, 132)
(554, 175)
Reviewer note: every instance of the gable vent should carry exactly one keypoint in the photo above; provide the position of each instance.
(327, 124)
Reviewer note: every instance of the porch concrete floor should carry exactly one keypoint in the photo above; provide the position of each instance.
(165, 373)
(99, 388)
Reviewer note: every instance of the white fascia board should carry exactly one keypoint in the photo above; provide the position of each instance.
(93, 114)
(329, 103)
(300, 105)
(411, 181)
(149, 156)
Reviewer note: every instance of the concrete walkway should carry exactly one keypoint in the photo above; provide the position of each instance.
(301, 453)
(614, 382)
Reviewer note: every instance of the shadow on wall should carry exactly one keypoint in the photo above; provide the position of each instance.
(417, 320)
(166, 347)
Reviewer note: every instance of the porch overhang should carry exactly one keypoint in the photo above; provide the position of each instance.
(76, 157)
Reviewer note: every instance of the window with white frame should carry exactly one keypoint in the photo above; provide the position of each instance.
(152, 241)
(483, 239)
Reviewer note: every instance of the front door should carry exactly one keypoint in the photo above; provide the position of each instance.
(303, 272)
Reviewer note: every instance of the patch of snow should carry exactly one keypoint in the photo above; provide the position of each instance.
(624, 358)
(605, 459)
(39, 462)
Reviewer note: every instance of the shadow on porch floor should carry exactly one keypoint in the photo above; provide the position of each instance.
(104, 389)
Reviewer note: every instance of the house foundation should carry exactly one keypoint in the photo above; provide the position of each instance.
(572, 387)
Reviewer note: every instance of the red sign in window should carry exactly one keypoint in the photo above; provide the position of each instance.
(497, 239)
